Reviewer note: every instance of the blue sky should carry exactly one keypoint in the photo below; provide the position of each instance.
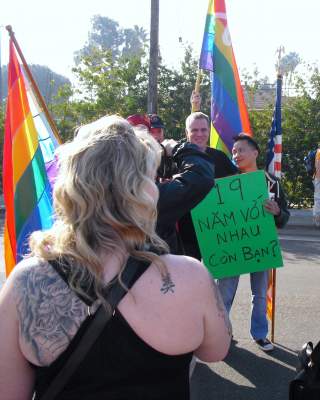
(49, 32)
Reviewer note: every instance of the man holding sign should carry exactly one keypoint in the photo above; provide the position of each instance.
(245, 152)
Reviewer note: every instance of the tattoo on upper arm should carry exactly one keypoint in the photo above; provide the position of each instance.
(49, 313)
(167, 284)
(222, 312)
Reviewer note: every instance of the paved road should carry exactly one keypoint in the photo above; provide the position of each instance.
(247, 373)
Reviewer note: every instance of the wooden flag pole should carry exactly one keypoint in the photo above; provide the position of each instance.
(34, 85)
(273, 314)
(197, 87)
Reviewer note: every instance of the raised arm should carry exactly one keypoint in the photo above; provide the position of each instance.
(187, 188)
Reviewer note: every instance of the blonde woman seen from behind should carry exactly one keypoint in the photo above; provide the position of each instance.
(105, 202)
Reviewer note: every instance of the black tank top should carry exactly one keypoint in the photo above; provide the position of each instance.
(119, 366)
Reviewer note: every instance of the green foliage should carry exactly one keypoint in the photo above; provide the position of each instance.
(300, 133)
(120, 84)
(175, 88)
(301, 127)
(113, 85)
(67, 113)
(112, 71)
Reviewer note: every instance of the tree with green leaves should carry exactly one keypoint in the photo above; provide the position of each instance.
(106, 34)
(112, 71)
(300, 133)
(175, 88)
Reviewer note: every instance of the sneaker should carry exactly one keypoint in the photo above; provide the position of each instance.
(264, 344)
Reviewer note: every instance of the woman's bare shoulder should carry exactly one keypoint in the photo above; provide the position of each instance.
(30, 277)
(49, 313)
(187, 270)
(183, 264)
(23, 271)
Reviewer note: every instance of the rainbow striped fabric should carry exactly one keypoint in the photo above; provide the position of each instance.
(28, 166)
(229, 113)
(269, 295)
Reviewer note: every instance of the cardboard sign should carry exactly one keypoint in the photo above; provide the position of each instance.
(236, 235)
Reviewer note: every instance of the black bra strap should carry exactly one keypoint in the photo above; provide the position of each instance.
(63, 269)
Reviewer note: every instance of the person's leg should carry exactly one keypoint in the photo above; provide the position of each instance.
(316, 206)
(228, 288)
(259, 322)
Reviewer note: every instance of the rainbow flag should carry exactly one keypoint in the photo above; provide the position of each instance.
(270, 304)
(229, 115)
(28, 166)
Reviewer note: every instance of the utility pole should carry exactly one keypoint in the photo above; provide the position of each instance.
(154, 58)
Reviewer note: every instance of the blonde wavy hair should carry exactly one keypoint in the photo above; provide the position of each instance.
(100, 202)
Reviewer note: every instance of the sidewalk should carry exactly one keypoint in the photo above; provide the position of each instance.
(300, 224)
(301, 217)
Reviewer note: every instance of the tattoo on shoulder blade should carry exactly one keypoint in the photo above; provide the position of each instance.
(222, 313)
(167, 284)
(49, 313)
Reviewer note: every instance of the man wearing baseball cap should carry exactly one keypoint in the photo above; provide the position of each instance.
(152, 122)
(157, 127)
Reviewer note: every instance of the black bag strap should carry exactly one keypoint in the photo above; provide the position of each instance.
(129, 276)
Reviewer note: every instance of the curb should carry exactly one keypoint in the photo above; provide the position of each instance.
(301, 218)
(301, 230)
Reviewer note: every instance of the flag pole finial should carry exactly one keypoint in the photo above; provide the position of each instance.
(9, 29)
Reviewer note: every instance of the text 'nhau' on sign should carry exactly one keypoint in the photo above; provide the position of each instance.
(236, 235)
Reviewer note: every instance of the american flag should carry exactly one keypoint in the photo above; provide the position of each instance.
(274, 153)
(273, 166)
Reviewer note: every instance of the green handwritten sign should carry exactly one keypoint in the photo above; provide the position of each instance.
(236, 235)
